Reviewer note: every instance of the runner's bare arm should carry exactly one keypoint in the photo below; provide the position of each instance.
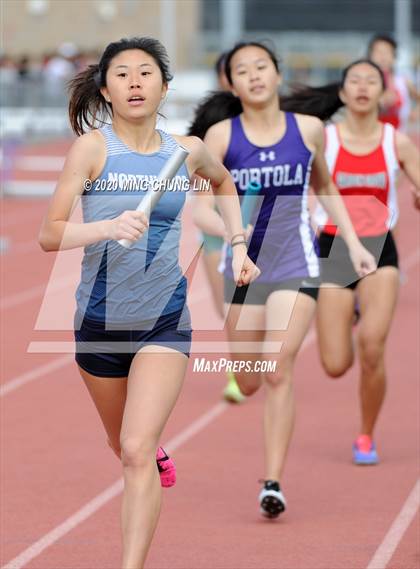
(205, 215)
(408, 155)
(326, 190)
(80, 169)
(204, 163)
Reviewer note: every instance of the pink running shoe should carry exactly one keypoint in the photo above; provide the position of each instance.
(167, 470)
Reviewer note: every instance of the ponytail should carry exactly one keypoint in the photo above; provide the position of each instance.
(87, 105)
(216, 107)
(322, 102)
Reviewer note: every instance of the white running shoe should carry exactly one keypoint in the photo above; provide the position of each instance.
(272, 500)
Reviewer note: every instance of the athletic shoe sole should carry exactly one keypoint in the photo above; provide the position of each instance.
(232, 396)
(272, 503)
(365, 461)
(365, 458)
(232, 393)
(167, 469)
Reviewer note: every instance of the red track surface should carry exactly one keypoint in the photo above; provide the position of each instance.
(55, 458)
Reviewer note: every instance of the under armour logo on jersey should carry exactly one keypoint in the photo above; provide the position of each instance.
(267, 156)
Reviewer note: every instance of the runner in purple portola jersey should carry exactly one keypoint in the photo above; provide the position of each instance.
(263, 143)
(282, 240)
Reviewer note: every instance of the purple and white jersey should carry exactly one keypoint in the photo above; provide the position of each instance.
(282, 244)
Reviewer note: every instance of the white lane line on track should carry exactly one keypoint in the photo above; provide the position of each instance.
(411, 260)
(111, 492)
(40, 163)
(24, 247)
(397, 530)
(29, 294)
(32, 189)
(35, 373)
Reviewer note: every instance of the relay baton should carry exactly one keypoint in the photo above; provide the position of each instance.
(249, 201)
(153, 195)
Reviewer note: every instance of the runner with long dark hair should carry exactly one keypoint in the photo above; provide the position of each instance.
(132, 326)
(364, 156)
(264, 142)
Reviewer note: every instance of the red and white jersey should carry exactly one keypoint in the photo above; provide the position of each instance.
(367, 183)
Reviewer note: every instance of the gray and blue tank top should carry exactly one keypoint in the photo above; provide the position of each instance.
(128, 287)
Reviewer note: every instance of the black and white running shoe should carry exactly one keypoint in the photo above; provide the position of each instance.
(272, 501)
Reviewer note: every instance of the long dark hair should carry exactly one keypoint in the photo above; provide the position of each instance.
(217, 106)
(87, 105)
(322, 102)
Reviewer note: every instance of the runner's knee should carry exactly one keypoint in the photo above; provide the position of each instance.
(336, 365)
(282, 374)
(137, 452)
(371, 349)
(248, 383)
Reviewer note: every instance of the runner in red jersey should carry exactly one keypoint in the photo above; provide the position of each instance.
(400, 92)
(363, 156)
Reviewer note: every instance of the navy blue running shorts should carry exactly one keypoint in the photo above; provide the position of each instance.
(109, 353)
